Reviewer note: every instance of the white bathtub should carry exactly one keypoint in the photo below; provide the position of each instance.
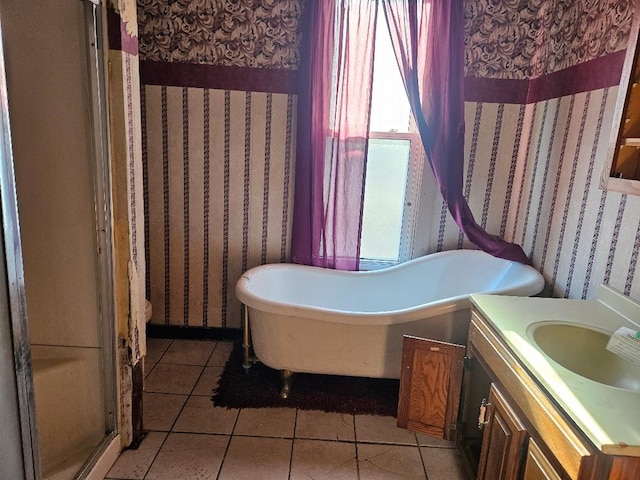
(317, 320)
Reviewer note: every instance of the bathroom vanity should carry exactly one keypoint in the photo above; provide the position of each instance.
(512, 398)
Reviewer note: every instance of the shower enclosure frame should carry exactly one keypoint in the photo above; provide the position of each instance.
(94, 20)
(94, 17)
(17, 302)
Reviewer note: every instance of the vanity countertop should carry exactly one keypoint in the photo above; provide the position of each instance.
(608, 416)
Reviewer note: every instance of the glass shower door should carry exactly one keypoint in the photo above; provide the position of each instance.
(53, 60)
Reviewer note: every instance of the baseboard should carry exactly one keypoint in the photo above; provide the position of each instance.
(193, 333)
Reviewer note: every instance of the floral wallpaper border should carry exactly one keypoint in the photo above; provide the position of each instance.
(508, 39)
(120, 33)
(244, 33)
(522, 39)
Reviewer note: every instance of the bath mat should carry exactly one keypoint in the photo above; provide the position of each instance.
(260, 388)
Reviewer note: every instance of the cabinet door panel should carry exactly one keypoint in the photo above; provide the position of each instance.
(537, 466)
(430, 386)
(503, 441)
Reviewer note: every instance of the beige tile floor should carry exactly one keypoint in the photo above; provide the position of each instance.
(188, 438)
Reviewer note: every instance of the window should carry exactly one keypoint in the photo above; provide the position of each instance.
(393, 167)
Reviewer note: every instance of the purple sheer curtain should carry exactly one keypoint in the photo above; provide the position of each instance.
(428, 38)
(333, 124)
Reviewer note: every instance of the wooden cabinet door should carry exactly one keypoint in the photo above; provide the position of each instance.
(503, 441)
(430, 386)
(537, 466)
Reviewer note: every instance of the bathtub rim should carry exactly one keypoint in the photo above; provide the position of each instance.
(438, 307)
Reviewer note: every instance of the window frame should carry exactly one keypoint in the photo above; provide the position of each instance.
(411, 199)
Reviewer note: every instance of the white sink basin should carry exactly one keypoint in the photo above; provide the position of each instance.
(582, 350)
(561, 342)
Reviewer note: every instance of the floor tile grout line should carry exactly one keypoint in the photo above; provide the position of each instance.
(226, 450)
(202, 367)
(156, 455)
(188, 395)
(424, 463)
(215, 347)
(230, 436)
(206, 362)
(213, 350)
(164, 351)
(293, 442)
(355, 446)
(159, 358)
(293, 438)
(308, 439)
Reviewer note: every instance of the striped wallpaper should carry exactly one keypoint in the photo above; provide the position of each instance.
(218, 157)
(532, 175)
(577, 234)
(218, 169)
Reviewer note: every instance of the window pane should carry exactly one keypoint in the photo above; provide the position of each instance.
(384, 198)
(390, 111)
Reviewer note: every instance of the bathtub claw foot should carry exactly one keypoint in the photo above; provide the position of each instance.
(287, 380)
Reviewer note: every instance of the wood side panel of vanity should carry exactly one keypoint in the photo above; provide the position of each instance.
(527, 434)
(574, 455)
(561, 440)
(625, 468)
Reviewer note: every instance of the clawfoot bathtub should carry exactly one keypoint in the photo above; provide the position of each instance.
(317, 320)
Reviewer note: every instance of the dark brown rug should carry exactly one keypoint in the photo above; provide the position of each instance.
(260, 388)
